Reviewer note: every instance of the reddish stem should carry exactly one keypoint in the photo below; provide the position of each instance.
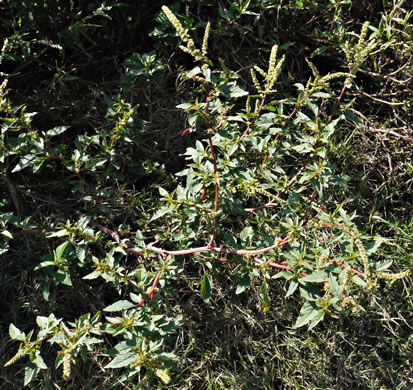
(151, 293)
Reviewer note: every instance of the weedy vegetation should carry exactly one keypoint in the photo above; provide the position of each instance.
(206, 194)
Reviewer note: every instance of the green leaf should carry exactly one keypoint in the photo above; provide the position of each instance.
(334, 286)
(64, 277)
(287, 275)
(120, 305)
(329, 129)
(4, 247)
(372, 247)
(232, 91)
(16, 334)
(266, 303)
(184, 106)
(293, 286)
(382, 265)
(44, 264)
(303, 148)
(92, 275)
(38, 361)
(59, 233)
(47, 322)
(243, 284)
(163, 192)
(308, 312)
(319, 317)
(160, 213)
(359, 281)
(30, 372)
(57, 130)
(60, 250)
(46, 291)
(323, 95)
(7, 234)
(206, 287)
(316, 277)
(122, 360)
(246, 235)
(299, 86)
(26, 161)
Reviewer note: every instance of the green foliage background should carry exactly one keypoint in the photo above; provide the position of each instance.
(90, 150)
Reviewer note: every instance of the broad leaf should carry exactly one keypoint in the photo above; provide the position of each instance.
(266, 303)
(120, 305)
(334, 286)
(316, 277)
(30, 372)
(308, 312)
(232, 91)
(122, 360)
(16, 334)
(243, 284)
(57, 130)
(293, 286)
(206, 287)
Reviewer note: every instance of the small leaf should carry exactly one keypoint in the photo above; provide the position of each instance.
(38, 361)
(372, 247)
(92, 275)
(243, 284)
(319, 317)
(359, 281)
(246, 235)
(16, 334)
(7, 234)
(266, 303)
(329, 129)
(206, 287)
(293, 286)
(160, 213)
(26, 161)
(382, 265)
(308, 312)
(163, 192)
(287, 275)
(120, 305)
(334, 286)
(30, 372)
(60, 250)
(232, 91)
(122, 360)
(303, 148)
(316, 277)
(46, 291)
(323, 95)
(299, 86)
(57, 130)
(4, 247)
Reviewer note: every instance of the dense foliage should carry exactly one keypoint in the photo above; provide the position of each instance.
(207, 194)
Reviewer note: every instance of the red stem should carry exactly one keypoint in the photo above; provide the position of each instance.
(151, 294)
